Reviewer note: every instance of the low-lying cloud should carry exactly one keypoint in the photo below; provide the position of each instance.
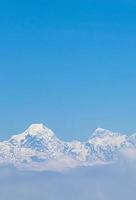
(107, 182)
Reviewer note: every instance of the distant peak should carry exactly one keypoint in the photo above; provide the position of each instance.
(36, 127)
(34, 130)
(102, 131)
(39, 129)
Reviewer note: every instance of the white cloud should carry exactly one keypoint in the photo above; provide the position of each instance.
(103, 182)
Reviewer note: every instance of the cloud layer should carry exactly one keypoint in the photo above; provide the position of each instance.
(108, 182)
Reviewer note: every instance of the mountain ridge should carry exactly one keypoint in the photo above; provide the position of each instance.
(38, 148)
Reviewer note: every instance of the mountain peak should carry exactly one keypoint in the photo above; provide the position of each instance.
(37, 131)
(36, 127)
(101, 132)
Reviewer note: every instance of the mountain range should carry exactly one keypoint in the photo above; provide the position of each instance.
(38, 149)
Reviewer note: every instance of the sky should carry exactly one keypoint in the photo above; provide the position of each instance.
(68, 64)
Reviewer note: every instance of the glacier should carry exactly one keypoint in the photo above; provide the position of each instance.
(38, 149)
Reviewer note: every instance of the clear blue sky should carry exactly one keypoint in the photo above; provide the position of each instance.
(69, 64)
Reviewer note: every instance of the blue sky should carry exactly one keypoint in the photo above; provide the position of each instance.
(68, 64)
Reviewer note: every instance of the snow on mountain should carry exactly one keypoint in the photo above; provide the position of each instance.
(39, 149)
(103, 137)
(106, 144)
(35, 133)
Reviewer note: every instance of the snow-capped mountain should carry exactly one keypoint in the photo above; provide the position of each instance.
(38, 148)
